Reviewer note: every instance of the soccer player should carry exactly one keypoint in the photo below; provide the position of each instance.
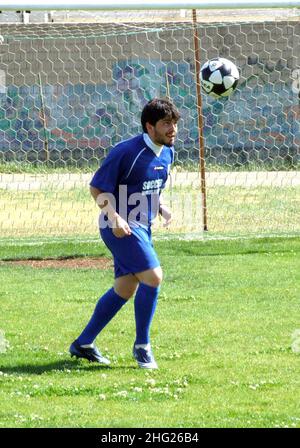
(127, 187)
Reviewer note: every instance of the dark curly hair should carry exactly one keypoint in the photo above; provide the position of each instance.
(157, 109)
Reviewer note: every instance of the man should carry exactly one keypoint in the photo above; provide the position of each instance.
(127, 188)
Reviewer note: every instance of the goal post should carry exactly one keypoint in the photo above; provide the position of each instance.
(70, 90)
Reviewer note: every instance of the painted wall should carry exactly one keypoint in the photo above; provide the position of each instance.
(94, 87)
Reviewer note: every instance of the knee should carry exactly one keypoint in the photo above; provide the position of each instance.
(153, 278)
(156, 279)
(126, 287)
(126, 292)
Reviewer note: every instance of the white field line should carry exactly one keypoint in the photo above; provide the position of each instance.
(65, 181)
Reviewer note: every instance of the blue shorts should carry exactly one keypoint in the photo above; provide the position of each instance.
(132, 254)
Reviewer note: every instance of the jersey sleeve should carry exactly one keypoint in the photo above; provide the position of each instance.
(107, 177)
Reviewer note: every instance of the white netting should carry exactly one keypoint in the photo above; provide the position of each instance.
(70, 91)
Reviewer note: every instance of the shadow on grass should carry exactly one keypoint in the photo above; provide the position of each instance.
(60, 366)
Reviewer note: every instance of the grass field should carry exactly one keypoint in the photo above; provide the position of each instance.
(233, 210)
(221, 336)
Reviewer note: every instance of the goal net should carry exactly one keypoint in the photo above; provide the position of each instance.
(70, 90)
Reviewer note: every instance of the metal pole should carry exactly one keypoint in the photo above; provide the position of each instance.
(200, 120)
(43, 115)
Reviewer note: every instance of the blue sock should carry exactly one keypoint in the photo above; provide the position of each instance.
(107, 307)
(144, 307)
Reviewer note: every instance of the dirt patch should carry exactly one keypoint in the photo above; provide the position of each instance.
(66, 263)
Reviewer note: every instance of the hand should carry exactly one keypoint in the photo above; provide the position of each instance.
(120, 227)
(166, 214)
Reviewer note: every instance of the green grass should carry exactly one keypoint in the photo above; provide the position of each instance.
(231, 211)
(221, 336)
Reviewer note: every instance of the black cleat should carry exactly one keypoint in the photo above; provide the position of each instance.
(144, 358)
(92, 354)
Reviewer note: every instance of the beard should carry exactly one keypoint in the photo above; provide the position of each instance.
(160, 139)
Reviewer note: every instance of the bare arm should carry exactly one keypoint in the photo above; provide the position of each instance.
(165, 212)
(103, 200)
(106, 202)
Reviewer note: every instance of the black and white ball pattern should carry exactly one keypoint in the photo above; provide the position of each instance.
(219, 77)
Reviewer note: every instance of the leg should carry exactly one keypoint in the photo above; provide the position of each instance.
(145, 306)
(151, 277)
(126, 285)
(135, 254)
(145, 302)
(107, 307)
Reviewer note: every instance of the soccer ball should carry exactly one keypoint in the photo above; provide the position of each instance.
(219, 77)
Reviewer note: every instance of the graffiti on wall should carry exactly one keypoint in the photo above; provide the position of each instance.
(262, 120)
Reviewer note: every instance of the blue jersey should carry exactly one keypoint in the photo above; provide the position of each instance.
(135, 176)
